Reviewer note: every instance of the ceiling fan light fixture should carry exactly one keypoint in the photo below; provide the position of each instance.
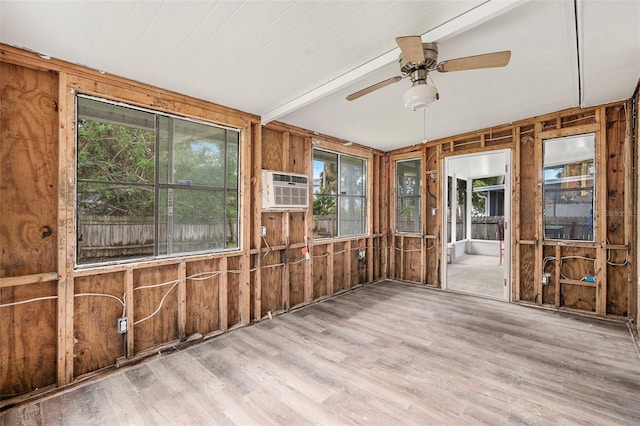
(419, 96)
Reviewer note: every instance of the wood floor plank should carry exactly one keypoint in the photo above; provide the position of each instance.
(381, 354)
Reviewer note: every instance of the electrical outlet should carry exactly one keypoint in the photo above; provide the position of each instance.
(545, 278)
(263, 231)
(122, 325)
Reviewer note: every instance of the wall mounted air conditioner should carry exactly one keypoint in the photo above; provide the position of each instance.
(282, 190)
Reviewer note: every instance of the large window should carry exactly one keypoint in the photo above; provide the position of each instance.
(339, 194)
(408, 195)
(569, 178)
(151, 184)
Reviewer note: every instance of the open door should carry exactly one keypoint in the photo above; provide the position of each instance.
(476, 218)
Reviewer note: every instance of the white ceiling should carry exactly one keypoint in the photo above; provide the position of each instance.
(270, 57)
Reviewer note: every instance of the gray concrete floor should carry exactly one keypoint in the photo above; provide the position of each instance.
(474, 274)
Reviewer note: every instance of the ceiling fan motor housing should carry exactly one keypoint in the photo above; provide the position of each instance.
(430, 59)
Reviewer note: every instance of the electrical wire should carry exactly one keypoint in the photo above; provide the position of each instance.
(199, 277)
(575, 257)
(100, 295)
(611, 263)
(36, 299)
(161, 302)
(268, 247)
(174, 282)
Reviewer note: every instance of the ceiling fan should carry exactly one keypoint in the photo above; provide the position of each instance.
(418, 59)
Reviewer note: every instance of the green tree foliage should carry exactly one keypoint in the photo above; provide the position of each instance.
(324, 199)
(478, 202)
(115, 169)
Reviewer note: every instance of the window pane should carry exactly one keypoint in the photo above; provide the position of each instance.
(352, 215)
(325, 219)
(194, 177)
(408, 204)
(408, 214)
(120, 148)
(569, 181)
(114, 222)
(325, 172)
(198, 153)
(190, 220)
(352, 176)
(115, 172)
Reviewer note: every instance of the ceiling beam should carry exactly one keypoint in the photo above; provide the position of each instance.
(476, 16)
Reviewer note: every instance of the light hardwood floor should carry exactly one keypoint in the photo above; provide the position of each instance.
(387, 353)
(475, 274)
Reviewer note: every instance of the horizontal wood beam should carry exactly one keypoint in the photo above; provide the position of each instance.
(28, 279)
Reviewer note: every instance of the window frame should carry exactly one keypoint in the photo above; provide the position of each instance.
(157, 186)
(418, 198)
(592, 188)
(338, 196)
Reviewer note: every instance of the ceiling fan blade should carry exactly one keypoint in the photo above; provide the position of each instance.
(488, 60)
(411, 47)
(373, 87)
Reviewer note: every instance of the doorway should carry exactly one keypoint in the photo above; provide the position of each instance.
(476, 224)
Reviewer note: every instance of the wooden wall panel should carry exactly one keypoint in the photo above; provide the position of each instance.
(272, 149)
(340, 280)
(432, 211)
(98, 343)
(578, 297)
(271, 281)
(576, 264)
(615, 209)
(296, 227)
(549, 291)
(203, 297)
(527, 273)
(320, 267)
(28, 338)
(529, 191)
(412, 259)
(618, 272)
(297, 265)
(28, 170)
(233, 291)
(378, 264)
(432, 262)
(358, 273)
(498, 138)
(297, 154)
(155, 298)
(275, 231)
(617, 283)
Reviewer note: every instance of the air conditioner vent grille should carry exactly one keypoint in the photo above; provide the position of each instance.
(284, 190)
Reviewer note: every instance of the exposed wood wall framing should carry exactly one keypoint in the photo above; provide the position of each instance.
(634, 290)
(59, 321)
(607, 258)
